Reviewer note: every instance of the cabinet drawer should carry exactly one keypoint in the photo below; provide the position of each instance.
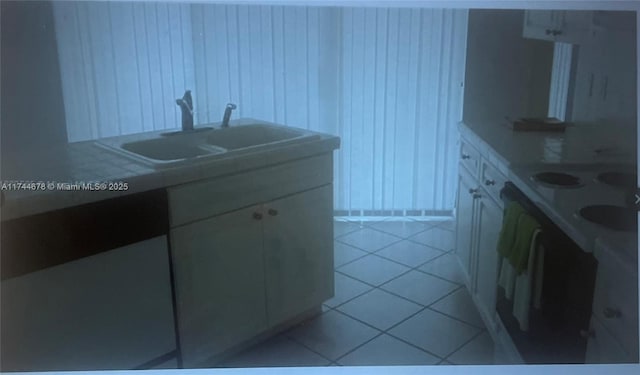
(615, 301)
(492, 180)
(470, 158)
(603, 348)
(197, 201)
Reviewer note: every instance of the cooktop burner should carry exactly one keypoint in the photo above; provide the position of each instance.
(612, 217)
(618, 179)
(556, 179)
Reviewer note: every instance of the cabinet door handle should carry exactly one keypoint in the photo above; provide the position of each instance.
(272, 212)
(611, 313)
(556, 32)
(473, 191)
(587, 333)
(465, 156)
(489, 182)
(547, 31)
(257, 216)
(476, 196)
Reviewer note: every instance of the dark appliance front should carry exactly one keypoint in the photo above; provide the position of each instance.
(558, 330)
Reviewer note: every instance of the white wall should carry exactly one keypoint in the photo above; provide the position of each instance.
(32, 115)
(506, 75)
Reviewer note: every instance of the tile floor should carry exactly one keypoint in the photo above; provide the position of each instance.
(399, 300)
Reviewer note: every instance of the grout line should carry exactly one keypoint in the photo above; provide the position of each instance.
(384, 332)
(370, 251)
(439, 277)
(412, 267)
(285, 334)
(459, 320)
(424, 244)
(394, 278)
(310, 349)
(352, 260)
(463, 345)
(358, 346)
(453, 317)
(445, 296)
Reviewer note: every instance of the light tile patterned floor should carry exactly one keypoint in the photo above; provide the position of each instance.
(399, 300)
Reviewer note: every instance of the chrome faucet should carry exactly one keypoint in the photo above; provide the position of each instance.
(186, 105)
(227, 115)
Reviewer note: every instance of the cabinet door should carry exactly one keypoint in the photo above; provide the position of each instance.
(298, 244)
(540, 24)
(219, 281)
(574, 26)
(464, 226)
(558, 25)
(603, 348)
(488, 228)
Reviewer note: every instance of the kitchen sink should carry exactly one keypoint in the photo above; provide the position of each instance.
(249, 136)
(203, 144)
(175, 148)
(612, 217)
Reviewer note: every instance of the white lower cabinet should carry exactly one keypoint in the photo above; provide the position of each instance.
(488, 225)
(467, 187)
(479, 221)
(604, 348)
(219, 281)
(298, 237)
(241, 273)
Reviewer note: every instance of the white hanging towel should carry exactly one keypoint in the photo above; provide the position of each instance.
(519, 287)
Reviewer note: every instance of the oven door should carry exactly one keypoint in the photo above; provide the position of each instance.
(569, 273)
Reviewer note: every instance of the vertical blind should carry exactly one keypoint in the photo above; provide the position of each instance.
(387, 81)
(401, 95)
(122, 65)
(560, 77)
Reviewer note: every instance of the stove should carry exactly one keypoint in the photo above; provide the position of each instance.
(624, 180)
(568, 193)
(557, 180)
(613, 217)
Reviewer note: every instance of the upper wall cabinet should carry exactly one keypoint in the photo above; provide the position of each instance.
(558, 25)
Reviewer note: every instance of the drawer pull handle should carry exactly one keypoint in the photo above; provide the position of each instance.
(465, 156)
(257, 216)
(473, 191)
(489, 182)
(476, 196)
(610, 313)
(272, 212)
(587, 334)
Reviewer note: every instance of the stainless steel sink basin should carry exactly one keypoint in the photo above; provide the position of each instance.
(204, 144)
(174, 148)
(249, 136)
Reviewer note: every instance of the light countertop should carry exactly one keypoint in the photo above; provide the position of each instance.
(88, 162)
(519, 155)
(581, 143)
